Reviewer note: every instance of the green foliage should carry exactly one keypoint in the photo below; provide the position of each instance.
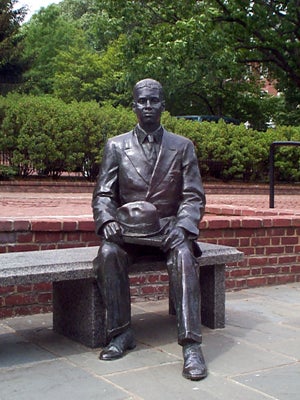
(41, 134)
(11, 66)
(46, 135)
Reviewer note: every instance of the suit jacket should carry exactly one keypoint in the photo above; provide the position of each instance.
(174, 186)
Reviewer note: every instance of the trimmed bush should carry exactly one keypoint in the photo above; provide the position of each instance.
(45, 135)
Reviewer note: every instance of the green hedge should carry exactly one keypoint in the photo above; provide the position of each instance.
(45, 135)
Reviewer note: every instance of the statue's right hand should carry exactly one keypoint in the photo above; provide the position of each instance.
(112, 232)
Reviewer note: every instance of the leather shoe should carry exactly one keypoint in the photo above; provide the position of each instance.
(194, 367)
(118, 346)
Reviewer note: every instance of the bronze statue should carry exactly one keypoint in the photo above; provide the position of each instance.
(149, 198)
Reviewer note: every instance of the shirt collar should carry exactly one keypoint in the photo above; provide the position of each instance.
(142, 134)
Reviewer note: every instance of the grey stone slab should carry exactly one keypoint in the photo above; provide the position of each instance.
(141, 358)
(260, 310)
(166, 382)
(282, 383)
(268, 336)
(77, 263)
(37, 321)
(57, 380)
(15, 351)
(230, 356)
(155, 330)
(288, 293)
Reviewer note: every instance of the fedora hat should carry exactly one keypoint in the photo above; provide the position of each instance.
(139, 219)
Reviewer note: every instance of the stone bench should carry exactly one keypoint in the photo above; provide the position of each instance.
(77, 309)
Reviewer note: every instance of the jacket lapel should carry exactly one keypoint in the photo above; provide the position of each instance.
(137, 158)
(164, 161)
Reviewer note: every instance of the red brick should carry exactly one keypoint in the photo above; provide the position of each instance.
(18, 299)
(6, 226)
(7, 237)
(295, 269)
(24, 247)
(275, 240)
(6, 312)
(257, 281)
(255, 261)
(44, 298)
(287, 259)
(230, 283)
(281, 279)
(20, 225)
(255, 271)
(251, 223)
(282, 221)
(89, 237)
(218, 224)
(269, 270)
(260, 241)
(6, 289)
(239, 272)
(148, 290)
(42, 287)
(275, 250)
(271, 280)
(24, 237)
(290, 240)
(48, 237)
(260, 251)
(86, 226)
(69, 225)
(137, 280)
(24, 288)
(244, 242)
(245, 233)
(48, 246)
(46, 225)
(229, 242)
(241, 283)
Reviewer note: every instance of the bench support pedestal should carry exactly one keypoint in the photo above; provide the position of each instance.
(78, 312)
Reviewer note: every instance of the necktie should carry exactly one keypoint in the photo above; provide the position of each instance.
(149, 147)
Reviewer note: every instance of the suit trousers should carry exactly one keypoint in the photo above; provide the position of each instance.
(112, 266)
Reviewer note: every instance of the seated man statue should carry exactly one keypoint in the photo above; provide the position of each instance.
(150, 174)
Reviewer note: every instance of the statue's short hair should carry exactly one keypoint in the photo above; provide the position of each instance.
(150, 83)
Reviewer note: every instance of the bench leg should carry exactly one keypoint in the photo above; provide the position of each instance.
(78, 312)
(212, 284)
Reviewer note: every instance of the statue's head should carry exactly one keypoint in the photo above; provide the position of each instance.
(148, 83)
(148, 103)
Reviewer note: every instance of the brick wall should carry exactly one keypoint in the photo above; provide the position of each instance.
(269, 240)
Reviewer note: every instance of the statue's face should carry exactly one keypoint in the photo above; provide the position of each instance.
(148, 106)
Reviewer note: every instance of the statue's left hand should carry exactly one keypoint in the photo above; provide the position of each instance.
(174, 238)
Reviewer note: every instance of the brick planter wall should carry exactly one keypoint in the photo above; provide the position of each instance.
(269, 240)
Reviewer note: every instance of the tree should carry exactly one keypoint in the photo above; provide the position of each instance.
(46, 34)
(10, 21)
(266, 33)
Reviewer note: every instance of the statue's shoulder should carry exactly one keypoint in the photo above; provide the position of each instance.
(175, 138)
(121, 137)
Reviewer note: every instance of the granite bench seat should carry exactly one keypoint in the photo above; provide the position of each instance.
(77, 309)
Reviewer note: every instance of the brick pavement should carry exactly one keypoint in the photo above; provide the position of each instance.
(29, 205)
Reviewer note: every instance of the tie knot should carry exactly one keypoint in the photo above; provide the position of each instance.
(150, 138)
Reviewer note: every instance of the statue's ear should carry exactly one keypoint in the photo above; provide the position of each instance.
(134, 106)
(163, 105)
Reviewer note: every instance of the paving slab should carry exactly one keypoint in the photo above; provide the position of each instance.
(255, 357)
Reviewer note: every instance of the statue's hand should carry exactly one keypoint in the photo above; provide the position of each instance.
(112, 232)
(174, 238)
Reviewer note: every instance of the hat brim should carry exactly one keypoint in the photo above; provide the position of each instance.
(155, 241)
